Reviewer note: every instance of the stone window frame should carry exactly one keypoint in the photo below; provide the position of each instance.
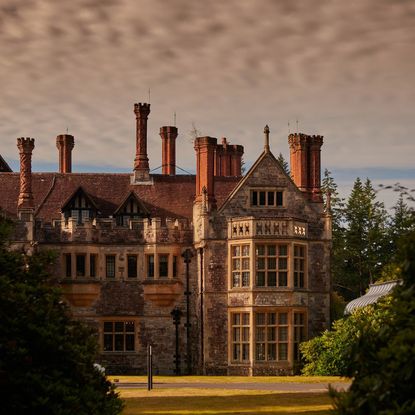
(242, 258)
(255, 195)
(272, 341)
(70, 266)
(295, 260)
(107, 268)
(267, 257)
(173, 263)
(239, 336)
(299, 331)
(124, 333)
(131, 255)
(80, 265)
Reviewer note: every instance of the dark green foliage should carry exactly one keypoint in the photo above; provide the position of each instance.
(335, 204)
(329, 354)
(46, 358)
(382, 362)
(363, 247)
(283, 163)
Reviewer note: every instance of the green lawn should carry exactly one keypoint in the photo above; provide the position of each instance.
(229, 379)
(189, 400)
(223, 402)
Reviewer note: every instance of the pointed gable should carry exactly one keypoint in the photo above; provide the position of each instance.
(130, 208)
(266, 190)
(80, 206)
(4, 167)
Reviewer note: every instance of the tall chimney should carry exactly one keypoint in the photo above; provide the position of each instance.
(228, 159)
(205, 167)
(168, 136)
(141, 166)
(65, 145)
(236, 160)
(305, 163)
(315, 167)
(25, 146)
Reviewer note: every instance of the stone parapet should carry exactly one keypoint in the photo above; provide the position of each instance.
(142, 231)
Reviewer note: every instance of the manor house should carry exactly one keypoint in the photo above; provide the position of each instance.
(222, 273)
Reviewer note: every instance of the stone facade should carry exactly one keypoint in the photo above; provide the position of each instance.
(257, 279)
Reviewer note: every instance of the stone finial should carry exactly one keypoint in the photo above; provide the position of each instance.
(266, 132)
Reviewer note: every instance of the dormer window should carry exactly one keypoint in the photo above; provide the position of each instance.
(80, 207)
(131, 208)
(267, 198)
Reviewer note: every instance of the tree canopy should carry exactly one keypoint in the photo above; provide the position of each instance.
(46, 358)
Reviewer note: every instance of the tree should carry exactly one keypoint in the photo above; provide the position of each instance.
(335, 204)
(283, 163)
(194, 133)
(46, 358)
(382, 362)
(402, 222)
(365, 237)
(329, 354)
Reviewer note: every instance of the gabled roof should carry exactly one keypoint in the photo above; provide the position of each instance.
(251, 171)
(78, 191)
(167, 197)
(4, 167)
(141, 206)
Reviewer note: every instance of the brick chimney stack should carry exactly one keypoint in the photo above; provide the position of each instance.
(205, 166)
(305, 163)
(228, 159)
(65, 145)
(168, 136)
(236, 160)
(25, 146)
(141, 166)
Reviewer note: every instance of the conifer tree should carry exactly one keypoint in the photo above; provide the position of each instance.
(336, 210)
(283, 163)
(365, 236)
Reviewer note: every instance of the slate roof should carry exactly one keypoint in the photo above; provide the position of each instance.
(168, 196)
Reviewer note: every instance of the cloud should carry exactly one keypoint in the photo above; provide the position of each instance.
(343, 69)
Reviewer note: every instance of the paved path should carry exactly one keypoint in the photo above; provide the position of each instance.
(274, 386)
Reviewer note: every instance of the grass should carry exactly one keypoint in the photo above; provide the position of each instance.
(189, 401)
(229, 379)
(206, 401)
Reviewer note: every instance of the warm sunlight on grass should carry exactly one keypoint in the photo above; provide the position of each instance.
(230, 379)
(222, 402)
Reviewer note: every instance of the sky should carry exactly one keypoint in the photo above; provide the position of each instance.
(343, 69)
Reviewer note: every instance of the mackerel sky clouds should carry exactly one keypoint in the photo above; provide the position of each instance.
(345, 70)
